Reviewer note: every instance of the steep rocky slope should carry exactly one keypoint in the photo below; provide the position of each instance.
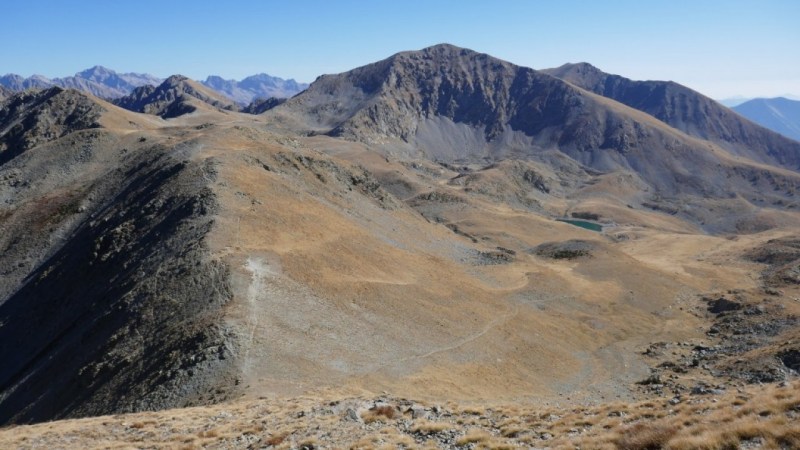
(688, 111)
(109, 299)
(126, 302)
(176, 96)
(260, 105)
(4, 93)
(35, 117)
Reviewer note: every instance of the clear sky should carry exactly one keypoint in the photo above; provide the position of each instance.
(721, 48)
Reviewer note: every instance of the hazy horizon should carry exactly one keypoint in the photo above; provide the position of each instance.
(721, 49)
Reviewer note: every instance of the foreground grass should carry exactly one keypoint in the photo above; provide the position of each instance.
(753, 417)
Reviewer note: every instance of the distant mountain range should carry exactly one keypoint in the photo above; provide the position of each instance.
(737, 100)
(778, 114)
(108, 84)
(254, 87)
(730, 102)
(98, 81)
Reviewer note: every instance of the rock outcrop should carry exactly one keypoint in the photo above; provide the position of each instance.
(34, 117)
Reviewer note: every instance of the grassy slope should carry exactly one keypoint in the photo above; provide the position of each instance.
(758, 416)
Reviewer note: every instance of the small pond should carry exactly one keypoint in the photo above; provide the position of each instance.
(583, 224)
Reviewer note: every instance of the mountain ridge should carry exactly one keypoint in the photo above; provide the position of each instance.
(455, 104)
(686, 110)
(780, 114)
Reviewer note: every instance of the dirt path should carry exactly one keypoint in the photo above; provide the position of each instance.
(464, 341)
(259, 271)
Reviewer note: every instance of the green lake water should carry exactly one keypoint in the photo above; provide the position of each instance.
(583, 224)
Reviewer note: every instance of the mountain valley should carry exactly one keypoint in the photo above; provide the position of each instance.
(395, 237)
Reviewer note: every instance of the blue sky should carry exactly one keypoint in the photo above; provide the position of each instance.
(721, 48)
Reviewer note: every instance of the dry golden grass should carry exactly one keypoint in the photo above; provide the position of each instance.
(771, 416)
(275, 439)
(381, 413)
(473, 436)
(643, 436)
(428, 427)
(761, 416)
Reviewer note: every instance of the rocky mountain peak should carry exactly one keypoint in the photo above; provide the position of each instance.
(588, 74)
(395, 96)
(214, 81)
(176, 96)
(96, 73)
(175, 80)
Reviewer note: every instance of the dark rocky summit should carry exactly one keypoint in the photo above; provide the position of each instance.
(261, 105)
(172, 98)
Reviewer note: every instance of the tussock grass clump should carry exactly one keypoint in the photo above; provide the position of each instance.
(276, 439)
(379, 413)
(645, 436)
(427, 427)
(474, 410)
(208, 434)
(511, 431)
(473, 436)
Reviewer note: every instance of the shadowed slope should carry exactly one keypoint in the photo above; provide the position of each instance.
(121, 309)
(5, 93)
(35, 117)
